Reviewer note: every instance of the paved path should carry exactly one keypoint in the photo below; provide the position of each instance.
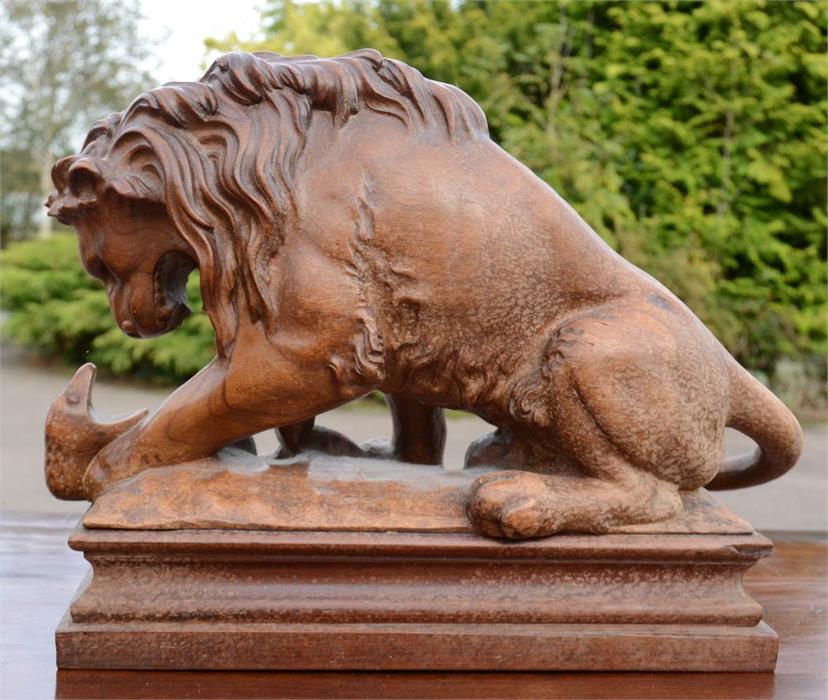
(797, 501)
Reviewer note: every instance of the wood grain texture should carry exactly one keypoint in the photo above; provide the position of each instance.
(415, 647)
(39, 574)
(312, 578)
(314, 491)
(223, 599)
(356, 230)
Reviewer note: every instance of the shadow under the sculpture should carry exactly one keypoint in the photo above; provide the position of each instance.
(317, 491)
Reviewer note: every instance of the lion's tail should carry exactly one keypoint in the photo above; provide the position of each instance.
(757, 413)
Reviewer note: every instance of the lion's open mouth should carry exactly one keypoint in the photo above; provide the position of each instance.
(170, 281)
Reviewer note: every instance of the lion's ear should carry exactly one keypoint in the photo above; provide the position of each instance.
(84, 177)
(77, 180)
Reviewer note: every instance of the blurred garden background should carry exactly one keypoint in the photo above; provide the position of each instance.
(690, 135)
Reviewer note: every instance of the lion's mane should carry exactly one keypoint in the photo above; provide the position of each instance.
(220, 155)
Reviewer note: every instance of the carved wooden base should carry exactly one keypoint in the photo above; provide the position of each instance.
(211, 599)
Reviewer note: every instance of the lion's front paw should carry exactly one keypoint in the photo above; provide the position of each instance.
(512, 504)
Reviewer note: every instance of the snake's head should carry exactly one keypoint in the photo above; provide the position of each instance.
(75, 434)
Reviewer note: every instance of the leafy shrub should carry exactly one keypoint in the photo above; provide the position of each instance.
(691, 136)
(58, 310)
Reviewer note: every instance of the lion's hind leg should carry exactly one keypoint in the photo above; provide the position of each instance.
(609, 492)
(419, 436)
(613, 399)
(516, 505)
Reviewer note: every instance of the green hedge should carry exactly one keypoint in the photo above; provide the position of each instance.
(690, 135)
(61, 312)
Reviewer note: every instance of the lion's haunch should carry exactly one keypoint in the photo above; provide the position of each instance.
(356, 230)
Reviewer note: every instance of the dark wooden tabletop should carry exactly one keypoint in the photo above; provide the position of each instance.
(38, 575)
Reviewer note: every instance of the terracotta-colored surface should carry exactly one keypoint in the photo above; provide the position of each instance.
(319, 492)
(418, 647)
(39, 575)
(356, 229)
(251, 599)
(74, 435)
(311, 492)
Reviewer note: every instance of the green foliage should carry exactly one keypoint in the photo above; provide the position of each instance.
(63, 65)
(59, 310)
(691, 136)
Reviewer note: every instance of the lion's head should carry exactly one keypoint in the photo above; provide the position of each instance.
(202, 175)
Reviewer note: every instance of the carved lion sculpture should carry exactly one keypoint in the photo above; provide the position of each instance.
(356, 230)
